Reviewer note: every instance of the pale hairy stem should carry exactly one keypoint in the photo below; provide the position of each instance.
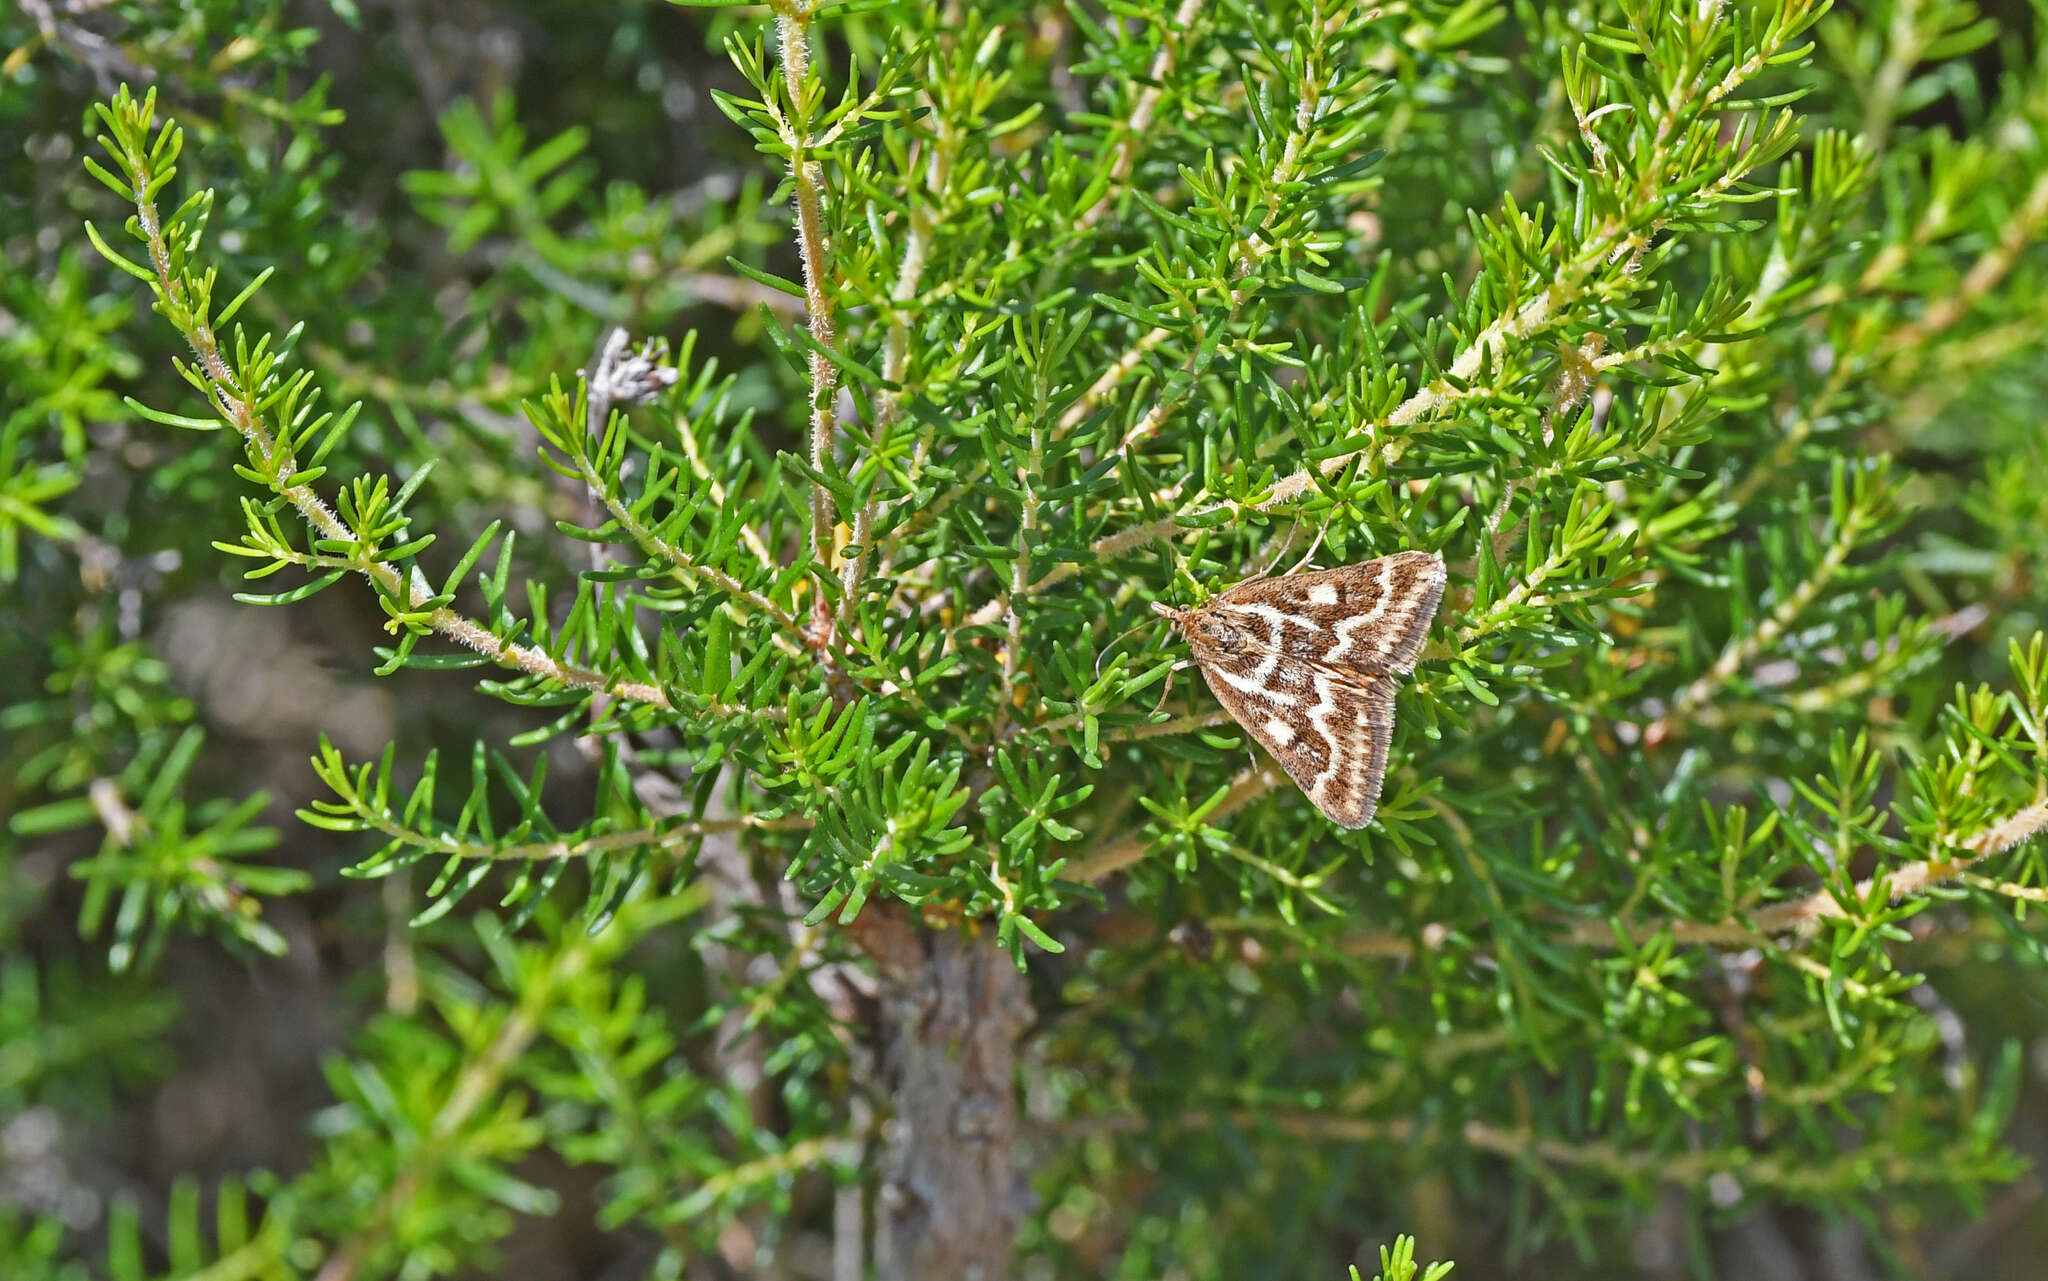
(1796, 434)
(2021, 233)
(1527, 590)
(1887, 262)
(1739, 653)
(807, 177)
(481, 1074)
(896, 352)
(238, 408)
(603, 496)
(1911, 880)
(1062, 726)
(687, 433)
(1020, 572)
(2005, 889)
(1906, 348)
(797, 1158)
(1178, 725)
(682, 563)
(1929, 392)
(1617, 240)
(348, 377)
(400, 953)
(217, 886)
(1130, 139)
(114, 813)
(664, 837)
(1812, 700)
(1687, 1170)
(1904, 48)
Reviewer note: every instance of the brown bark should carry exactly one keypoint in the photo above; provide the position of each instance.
(951, 1197)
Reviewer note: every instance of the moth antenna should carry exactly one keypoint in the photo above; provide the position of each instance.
(1110, 648)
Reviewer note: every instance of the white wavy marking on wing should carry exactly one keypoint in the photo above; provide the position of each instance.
(1347, 631)
(1252, 685)
(1318, 718)
(1271, 663)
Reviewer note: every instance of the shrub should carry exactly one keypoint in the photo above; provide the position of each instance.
(840, 875)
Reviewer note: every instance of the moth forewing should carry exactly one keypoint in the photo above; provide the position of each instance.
(1372, 616)
(1307, 663)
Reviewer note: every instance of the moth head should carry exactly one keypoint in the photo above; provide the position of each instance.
(1203, 626)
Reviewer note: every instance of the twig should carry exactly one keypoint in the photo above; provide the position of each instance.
(1800, 917)
(660, 837)
(2021, 233)
(1740, 653)
(792, 23)
(1615, 240)
(896, 354)
(1138, 126)
(471, 1088)
(1106, 860)
(239, 409)
(686, 432)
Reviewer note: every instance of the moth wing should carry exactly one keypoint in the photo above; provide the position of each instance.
(1328, 729)
(1370, 617)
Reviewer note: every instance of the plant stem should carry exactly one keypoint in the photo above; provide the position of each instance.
(793, 24)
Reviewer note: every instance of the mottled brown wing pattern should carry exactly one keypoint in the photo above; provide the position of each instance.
(1308, 665)
(1371, 617)
(1330, 731)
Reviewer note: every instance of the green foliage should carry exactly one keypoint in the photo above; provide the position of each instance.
(1397, 1263)
(160, 870)
(1701, 341)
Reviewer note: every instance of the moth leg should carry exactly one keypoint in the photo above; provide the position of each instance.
(1280, 553)
(1167, 687)
(1313, 548)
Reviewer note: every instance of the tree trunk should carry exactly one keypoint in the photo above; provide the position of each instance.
(951, 1196)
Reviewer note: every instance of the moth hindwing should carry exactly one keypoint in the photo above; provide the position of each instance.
(1308, 664)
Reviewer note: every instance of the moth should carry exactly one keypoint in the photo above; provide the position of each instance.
(1308, 664)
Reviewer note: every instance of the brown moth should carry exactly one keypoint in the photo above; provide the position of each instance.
(1308, 664)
